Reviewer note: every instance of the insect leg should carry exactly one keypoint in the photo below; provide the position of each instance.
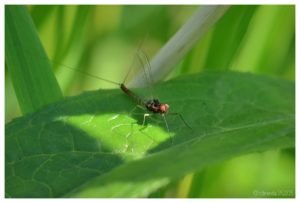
(135, 108)
(167, 126)
(164, 117)
(144, 109)
(181, 117)
(145, 116)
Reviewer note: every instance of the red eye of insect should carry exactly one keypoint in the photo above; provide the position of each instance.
(164, 108)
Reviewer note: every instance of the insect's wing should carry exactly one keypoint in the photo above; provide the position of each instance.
(146, 66)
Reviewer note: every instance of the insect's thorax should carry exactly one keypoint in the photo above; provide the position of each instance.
(155, 106)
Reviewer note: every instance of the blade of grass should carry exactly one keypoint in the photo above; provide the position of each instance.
(77, 31)
(233, 25)
(40, 13)
(275, 27)
(33, 80)
(59, 32)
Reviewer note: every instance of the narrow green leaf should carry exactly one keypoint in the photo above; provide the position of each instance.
(40, 14)
(266, 46)
(233, 25)
(89, 145)
(34, 82)
(77, 30)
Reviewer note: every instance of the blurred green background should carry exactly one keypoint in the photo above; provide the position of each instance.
(103, 40)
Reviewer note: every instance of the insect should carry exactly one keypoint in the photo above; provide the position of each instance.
(153, 105)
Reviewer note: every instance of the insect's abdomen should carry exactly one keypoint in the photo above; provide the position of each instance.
(132, 95)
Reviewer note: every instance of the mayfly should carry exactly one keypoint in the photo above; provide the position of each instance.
(153, 105)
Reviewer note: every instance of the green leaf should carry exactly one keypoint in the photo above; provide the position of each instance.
(33, 80)
(90, 146)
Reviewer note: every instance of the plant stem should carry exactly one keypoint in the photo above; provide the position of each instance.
(183, 40)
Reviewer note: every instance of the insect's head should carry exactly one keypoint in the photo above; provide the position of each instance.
(164, 108)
